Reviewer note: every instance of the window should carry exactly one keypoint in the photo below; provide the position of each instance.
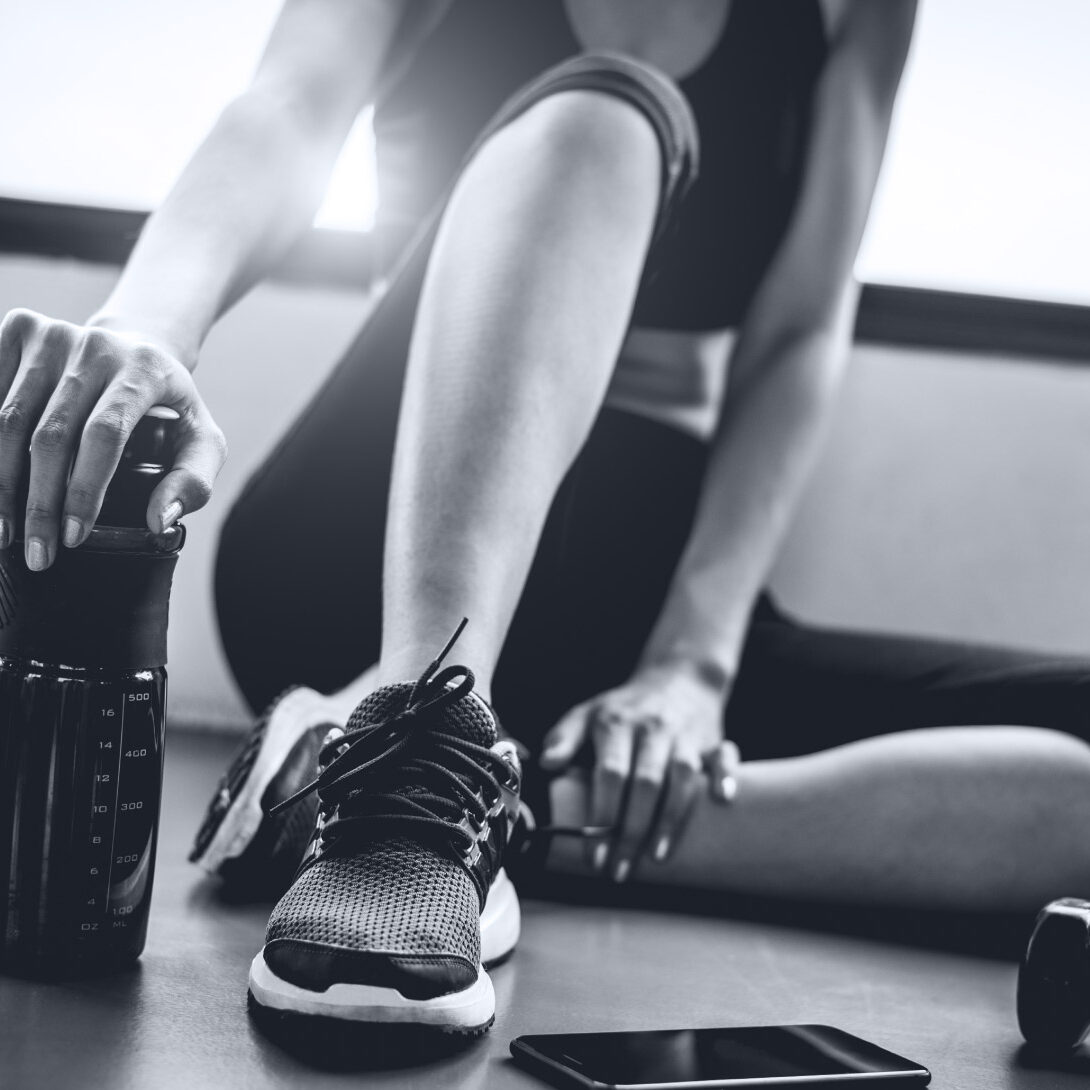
(986, 183)
(106, 101)
(984, 190)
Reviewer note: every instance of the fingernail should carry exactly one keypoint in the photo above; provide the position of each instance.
(662, 849)
(37, 559)
(5, 533)
(73, 532)
(620, 872)
(600, 853)
(728, 788)
(170, 514)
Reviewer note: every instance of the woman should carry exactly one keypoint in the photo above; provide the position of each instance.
(576, 470)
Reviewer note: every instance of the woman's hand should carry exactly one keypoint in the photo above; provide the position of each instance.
(652, 737)
(71, 397)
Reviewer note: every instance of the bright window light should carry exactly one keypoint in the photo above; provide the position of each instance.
(984, 188)
(105, 102)
(987, 175)
(352, 198)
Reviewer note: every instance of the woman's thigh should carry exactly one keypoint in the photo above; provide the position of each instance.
(803, 688)
(298, 580)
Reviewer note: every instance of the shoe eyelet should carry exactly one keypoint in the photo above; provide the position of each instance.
(469, 825)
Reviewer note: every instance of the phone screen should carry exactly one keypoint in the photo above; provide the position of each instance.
(686, 1056)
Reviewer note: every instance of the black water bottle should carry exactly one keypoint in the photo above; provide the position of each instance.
(82, 703)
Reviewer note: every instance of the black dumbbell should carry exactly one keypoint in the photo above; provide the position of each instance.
(1054, 979)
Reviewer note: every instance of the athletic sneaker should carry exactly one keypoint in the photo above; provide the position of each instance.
(400, 900)
(240, 839)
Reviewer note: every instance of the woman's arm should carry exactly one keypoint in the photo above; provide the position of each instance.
(786, 368)
(255, 183)
(73, 393)
(791, 351)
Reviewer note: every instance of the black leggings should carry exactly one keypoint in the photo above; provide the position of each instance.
(293, 609)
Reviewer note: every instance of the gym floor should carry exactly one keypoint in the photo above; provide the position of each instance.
(938, 990)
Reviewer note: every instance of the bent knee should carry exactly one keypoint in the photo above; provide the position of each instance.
(1027, 747)
(1047, 743)
(609, 107)
(1045, 763)
(574, 130)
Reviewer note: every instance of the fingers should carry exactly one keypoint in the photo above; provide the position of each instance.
(666, 784)
(83, 429)
(562, 743)
(15, 327)
(199, 456)
(649, 768)
(613, 747)
(109, 423)
(41, 420)
(60, 433)
(648, 736)
(723, 762)
(683, 785)
(72, 396)
(42, 353)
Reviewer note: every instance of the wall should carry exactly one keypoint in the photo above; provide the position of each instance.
(951, 499)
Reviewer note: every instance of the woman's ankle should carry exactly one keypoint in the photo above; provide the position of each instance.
(409, 663)
(357, 689)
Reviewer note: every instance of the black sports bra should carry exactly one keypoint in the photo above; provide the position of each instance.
(752, 100)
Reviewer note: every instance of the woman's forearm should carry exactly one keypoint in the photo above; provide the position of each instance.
(791, 349)
(255, 183)
(237, 205)
(763, 451)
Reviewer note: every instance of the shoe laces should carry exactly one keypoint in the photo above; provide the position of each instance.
(401, 772)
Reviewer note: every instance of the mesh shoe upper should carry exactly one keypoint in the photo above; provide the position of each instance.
(397, 898)
(409, 838)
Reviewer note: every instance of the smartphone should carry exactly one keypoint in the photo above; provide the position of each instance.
(743, 1056)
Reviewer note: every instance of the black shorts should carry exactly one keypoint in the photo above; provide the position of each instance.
(299, 571)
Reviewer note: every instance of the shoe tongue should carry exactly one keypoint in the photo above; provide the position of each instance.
(470, 717)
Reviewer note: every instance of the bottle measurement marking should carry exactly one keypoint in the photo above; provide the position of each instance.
(117, 795)
(119, 765)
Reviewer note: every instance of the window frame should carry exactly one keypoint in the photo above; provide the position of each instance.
(888, 314)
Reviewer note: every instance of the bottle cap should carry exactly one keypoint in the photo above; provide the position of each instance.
(145, 461)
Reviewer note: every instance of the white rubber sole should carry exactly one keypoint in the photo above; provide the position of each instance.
(301, 710)
(466, 1010)
(473, 1008)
